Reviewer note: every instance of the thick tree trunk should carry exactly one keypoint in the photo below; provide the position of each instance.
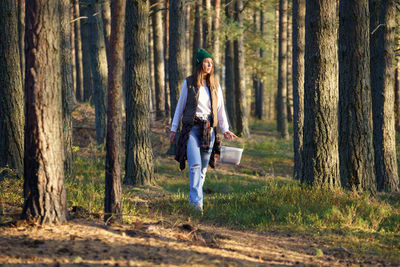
(397, 96)
(86, 50)
(282, 124)
(21, 33)
(197, 31)
(11, 91)
(229, 72)
(355, 130)
(299, 13)
(99, 68)
(139, 157)
(106, 17)
(67, 82)
(216, 34)
(207, 25)
(242, 127)
(382, 26)
(158, 52)
(113, 189)
(44, 191)
(78, 52)
(320, 142)
(188, 45)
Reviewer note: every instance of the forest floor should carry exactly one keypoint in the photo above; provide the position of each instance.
(156, 233)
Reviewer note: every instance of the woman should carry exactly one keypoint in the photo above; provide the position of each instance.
(201, 106)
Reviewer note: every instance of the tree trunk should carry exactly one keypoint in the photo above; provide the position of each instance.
(260, 101)
(166, 59)
(207, 25)
(21, 33)
(158, 60)
(299, 13)
(216, 40)
(150, 65)
(320, 142)
(106, 17)
(397, 97)
(113, 189)
(289, 91)
(282, 124)
(99, 69)
(67, 82)
(229, 72)
(382, 26)
(188, 46)
(355, 130)
(242, 127)
(11, 91)
(78, 52)
(86, 50)
(139, 157)
(44, 191)
(197, 31)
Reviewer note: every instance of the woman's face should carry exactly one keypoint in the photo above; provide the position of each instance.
(207, 65)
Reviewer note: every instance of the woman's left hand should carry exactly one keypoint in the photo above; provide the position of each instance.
(229, 135)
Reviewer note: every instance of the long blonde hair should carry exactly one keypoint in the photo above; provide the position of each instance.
(199, 76)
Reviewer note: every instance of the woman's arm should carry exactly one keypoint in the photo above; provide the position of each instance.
(179, 107)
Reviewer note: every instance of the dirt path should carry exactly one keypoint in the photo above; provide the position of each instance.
(82, 242)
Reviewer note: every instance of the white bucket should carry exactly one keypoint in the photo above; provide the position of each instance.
(231, 154)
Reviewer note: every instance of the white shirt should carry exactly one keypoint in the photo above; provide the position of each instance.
(203, 107)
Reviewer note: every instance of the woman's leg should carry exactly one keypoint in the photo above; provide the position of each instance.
(195, 162)
(205, 158)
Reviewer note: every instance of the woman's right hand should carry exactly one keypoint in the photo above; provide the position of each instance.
(172, 137)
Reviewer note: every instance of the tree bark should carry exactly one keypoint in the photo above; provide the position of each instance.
(99, 69)
(139, 157)
(11, 90)
(242, 127)
(86, 50)
(67, 82)
(44, 191)
(166, 59)
(78, 52)
(216, 40)
(282, 124)
(260, 100)
(207, 25)
(21, 33)
(196, 32)
(289, 91)
(229, 72)
(299, 12)
(320, 142)
(382, 26)
(355, 130)
(397, 96)
(106, 17)
(113, 189)
(159, 79)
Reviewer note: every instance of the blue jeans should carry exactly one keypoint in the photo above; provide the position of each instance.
(198, 162)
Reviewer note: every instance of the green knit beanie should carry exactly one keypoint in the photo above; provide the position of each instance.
(201, 55)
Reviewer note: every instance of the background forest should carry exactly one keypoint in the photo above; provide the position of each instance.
(88, 90)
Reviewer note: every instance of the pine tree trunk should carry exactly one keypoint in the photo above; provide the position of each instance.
(21, 33)
(397, 96)
(113, 189)
(282, 124)
(78, 52)
(216, 39)
(229, 72)
(139, 157)
(188, 46)
(382, 26)
(260, 110)
(197, 31)
(355, 130)
(289, 91)
(106, 17)
(242, 127)
(166, 59)
(67, 82)
(44, 191)
(99, 68)
(86, 50)
(159, 79)
(299, 13)
(11, 91)
(207, 25)
(320, 142)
